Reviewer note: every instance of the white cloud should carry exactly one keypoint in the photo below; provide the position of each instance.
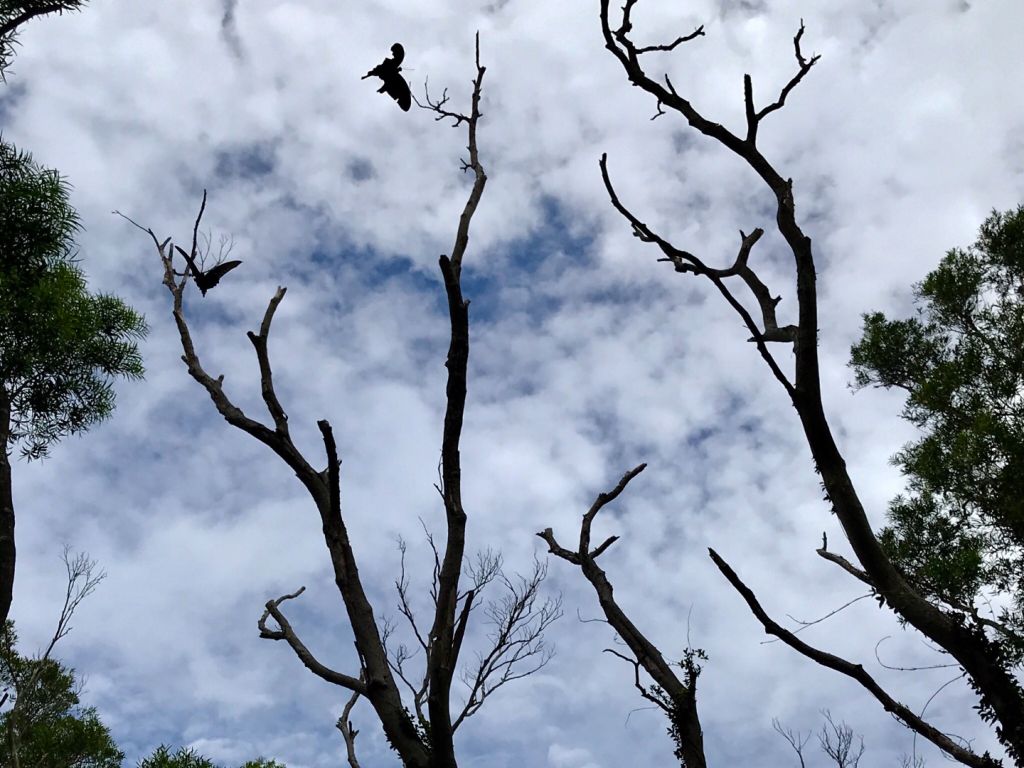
(587, 355)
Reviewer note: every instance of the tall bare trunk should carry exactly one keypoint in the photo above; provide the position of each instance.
(7, 550)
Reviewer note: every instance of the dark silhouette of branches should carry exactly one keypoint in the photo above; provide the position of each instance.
(1002, 698)
(427, 741)
(14, 14)
(676, 697)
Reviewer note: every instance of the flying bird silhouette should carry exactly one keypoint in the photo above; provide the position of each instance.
(389, 71)
(206, 280)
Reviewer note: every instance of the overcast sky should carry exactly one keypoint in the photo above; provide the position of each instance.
(588, 356)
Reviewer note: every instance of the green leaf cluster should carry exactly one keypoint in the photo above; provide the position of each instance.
(52, 727)
(188, 758)
(14, 13)
(958, 531)
(60, 346)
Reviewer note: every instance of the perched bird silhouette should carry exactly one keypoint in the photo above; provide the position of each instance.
(389, 71)
(206, 280)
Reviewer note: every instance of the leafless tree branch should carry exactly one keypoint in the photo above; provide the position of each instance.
(287, 633)
(754, 119)
(806, 624)
(855, 671)
(684, 261)
(846, 565)
(348, 732)
(907, 669)
(517, 647)
(679, 696)
(837, 743)
(796, 742)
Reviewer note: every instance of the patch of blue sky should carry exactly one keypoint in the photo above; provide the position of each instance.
(360, 272)
(10, 97)
(522, 275)
(245, 162)
(360, 169)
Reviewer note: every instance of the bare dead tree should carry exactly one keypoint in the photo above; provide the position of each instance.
(676, 697)
(426, 742)
(982, 658)
(795, 741)
(837, 742)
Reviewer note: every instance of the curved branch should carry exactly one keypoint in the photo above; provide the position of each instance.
(855, 671)
(308, 660)
(348, 733)
(10, 26)
(684, 261)
(266, 376)
(681, 696)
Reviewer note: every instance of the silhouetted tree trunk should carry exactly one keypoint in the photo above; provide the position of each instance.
(7, 549)
(1002, 698)
(427, 741)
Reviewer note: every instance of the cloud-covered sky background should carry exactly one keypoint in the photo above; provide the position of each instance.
(587, 355)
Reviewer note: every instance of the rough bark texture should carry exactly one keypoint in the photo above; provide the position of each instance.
(7, 549)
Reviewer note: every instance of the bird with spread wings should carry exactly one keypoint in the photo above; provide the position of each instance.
(389, 71)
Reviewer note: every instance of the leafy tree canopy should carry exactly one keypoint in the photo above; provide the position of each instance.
(52, 727)
(60, 346)
(187, 758)
(958, 531)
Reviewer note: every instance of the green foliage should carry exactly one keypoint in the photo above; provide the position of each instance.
(53, 730)
(183, 758)
(60, 346)
(677, 711)
(958, 532)
(415, 726)
(187, 758)
(52, 727)
(14, 13)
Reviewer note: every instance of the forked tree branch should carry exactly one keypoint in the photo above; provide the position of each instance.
(680, 697)
(348, 732)
(684, 261)
(517, 648)
(287, 633)
(379, 686)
